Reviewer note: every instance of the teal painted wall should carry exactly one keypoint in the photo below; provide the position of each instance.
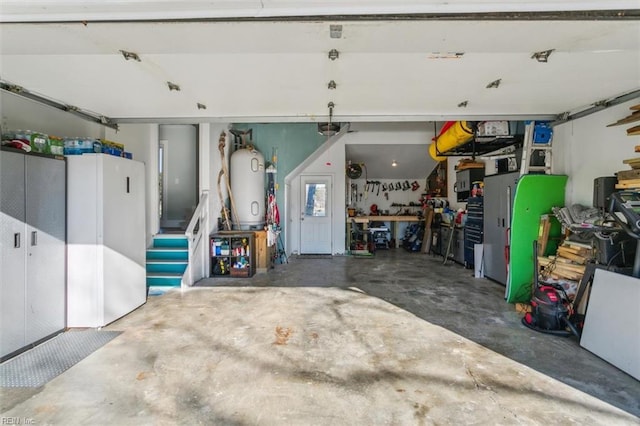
(294, 142)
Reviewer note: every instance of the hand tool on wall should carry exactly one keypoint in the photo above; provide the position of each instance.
(405, 185)
(398, 186)
(415, 185)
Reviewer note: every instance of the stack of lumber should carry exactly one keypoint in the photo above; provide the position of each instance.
(633, 117)
(629, 179)
(568, 263)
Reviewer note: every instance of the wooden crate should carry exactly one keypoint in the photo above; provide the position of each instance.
(240, 272)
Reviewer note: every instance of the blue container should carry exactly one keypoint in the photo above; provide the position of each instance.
(542, 133)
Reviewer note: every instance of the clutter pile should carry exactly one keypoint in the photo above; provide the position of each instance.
(567, 266)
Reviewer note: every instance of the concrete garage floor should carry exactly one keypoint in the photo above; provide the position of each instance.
(397, 339)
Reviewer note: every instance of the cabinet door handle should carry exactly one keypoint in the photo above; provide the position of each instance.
(128, 184)
(34, 238)
(16, 240)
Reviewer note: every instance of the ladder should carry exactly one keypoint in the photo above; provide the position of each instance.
(539, 143)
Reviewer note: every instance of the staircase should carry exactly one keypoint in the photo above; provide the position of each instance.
(167, 260)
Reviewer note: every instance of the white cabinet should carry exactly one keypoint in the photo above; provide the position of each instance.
(32, 230)
(106, 239)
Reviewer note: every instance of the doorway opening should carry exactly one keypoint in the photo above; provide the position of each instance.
(177, 176)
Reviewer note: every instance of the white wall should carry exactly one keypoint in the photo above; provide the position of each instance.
(366, 198)
(586, 148)
(329, 159)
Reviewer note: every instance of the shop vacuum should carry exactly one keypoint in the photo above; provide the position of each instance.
(551, 310)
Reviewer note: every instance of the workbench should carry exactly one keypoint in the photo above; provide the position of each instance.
(394, 220)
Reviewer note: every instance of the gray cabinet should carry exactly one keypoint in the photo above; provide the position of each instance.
(454, 243)
(464, 182)
(499, 192)
(32, 228)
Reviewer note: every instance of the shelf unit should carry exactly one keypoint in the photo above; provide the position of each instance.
(233, 254)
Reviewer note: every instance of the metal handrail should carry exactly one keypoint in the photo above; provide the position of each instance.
(198, 250)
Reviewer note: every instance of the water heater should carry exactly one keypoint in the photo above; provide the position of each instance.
(247, 185)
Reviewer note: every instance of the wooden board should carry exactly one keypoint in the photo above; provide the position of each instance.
(633, 162)
(629, 119)
(633, 131)
(627, 185)
(628, 174)
(543, 234)
(629, 181)
(635, 107)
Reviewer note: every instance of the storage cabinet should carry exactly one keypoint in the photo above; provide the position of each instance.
(499, 192)
(473, 229)
(454, 243)
(32, 228)
(464, 182)
(233, 254)
(106, 251)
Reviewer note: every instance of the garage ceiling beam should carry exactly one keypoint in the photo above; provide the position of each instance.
(112, 11)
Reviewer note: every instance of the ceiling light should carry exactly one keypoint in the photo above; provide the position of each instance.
(335, 31)
(542, 56)
(130, 55)
(332, 85)
(334, 54)
(173, 86)
(494, 84)
(394, 163)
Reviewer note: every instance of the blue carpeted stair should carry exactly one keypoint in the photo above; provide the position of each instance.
(167, 260)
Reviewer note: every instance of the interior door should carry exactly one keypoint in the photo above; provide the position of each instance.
(315, 217)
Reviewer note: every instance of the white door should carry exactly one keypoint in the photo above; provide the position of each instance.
(315, 217)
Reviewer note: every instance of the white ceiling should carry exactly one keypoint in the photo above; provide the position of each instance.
(267, 61)
(269, 71)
